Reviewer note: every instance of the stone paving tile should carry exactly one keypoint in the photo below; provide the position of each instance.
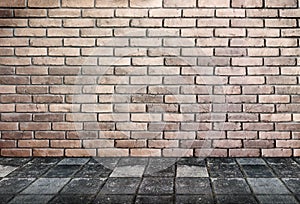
(257, 171)
(114, 199)
(159, 171)
(141, 199)
(83, 186)
(132, 161)
(5, 170)
(45, 161)
(72, 199)
(235, 199)
(191, 171)
(31, 199)
(46, 186)
(280, 161)
(191, 162)
(192, 186)
(93, 171)
(30, 171)
(109, 163)
(225, 171)
(251, 161)
(230, 186)
(5, 198)
(197, 199)
(14, 185)
(287, 170)
(157, 186)
(73, 161)
(293, 184)
(276, 199)
(62, 171)
(128, 171)
(13, 161)
(221, 161)
(267, 186)
(120, 186)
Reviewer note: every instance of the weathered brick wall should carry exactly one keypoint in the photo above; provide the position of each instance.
(149, 78)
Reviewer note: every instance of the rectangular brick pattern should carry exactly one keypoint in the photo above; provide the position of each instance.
(150, 78)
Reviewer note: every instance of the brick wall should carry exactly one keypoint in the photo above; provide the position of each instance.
(149, 78)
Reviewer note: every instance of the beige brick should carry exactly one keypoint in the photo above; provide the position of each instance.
(77, 3)
(111, 3)
(67, 13)
(246, 42)
(280, 4)
(230, 32)
(276, 152)
(274, 135)
(145, 3)
(45, 42)
(212, 22)
(264, 32)
(132, 13)
(179, 3)
(230, 13)
(145, 152)
(247, 23)
(177, 152)
(99, 13)
(162, 13)
(273, 23)
(146, 23)
(182, 23)
(246, 4)
(80, 152)
(30, 32)
(31, 51)
(44, 23)
(130, 143)
(216, 3)
(74, 23)
(43, 4)
(244, 152)
(30, 12)
(162, 143)
(198, 12)
(256, 13)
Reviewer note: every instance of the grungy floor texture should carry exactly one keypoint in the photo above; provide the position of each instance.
(150, 180)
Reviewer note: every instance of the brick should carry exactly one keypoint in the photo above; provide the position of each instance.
(290, 32)
(43, 4)
(268, 32)
(280, 4)
(6, 52)
(229, 71)
(14, 22)
(276, 152)
(65, 143)
(112, 152)
(247, 80)
(246, 4)
(47, 152)
(180, 135)
(80, 152)
(195, 144)
(179, 3)
(50, 135)
(58, 32)
(256, 13)
(35, 126)
(30, 12)
(74, 23)
(230, 32)
(145, 152)
(227, 143)
(30, 32)
(182, 23)
(287, 42)
(132, 13)
(288, 143)
(16, 3)
(111, 3)
(31, 51)
(214, 4)
(244, 152)
(112, 22)
(258, 126)
(156, 13)
(66, 126)
(7, 89)
(151, 117)
(247, 42)
(146, 23)
(45, 23)
(242, 135)
(45, 42)
(15, 117)
(230, 13)
(259, 143)
(7, 144)
(274, 135)
(33, 143)
(216, 42)
(273, 23)
(177, 152)
(162, 143)
(130, 143)
(14, 152)
(145, 4)
(212, 22)
(77, 3)
(17, 135)
(247, 23)
(211, 152)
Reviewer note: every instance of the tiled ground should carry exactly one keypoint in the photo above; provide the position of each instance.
(153, 180)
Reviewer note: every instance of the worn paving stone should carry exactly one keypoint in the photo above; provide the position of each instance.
(62, 171)
(257, 171)
(191, 171)
(14, 185)
(267, 186)
(31, 199)
(235, 199)
(114, 199)
(191, 162)
(73, 161)
(120, 186)
(230, 186)
(197, 199)
(141, 199)
(280, 161)
(293, 184)
(45, 161)
(219, 161)
(159, 171)
(46, 186)
(83, 186)
(109, 163)
(132, 161)
(7, 161)
(5, 170)
(30, 171)
(73, 199)
(287, 170)
(224, 171)
(193, 186)
(128, 171)
(5, 198)
(156, 186)
(276, 199)
(93, 171)
(251, 161)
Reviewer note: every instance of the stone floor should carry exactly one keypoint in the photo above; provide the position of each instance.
(149, 180)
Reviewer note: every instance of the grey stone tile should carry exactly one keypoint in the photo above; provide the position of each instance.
(120, 186)
(141, 199)
(31, 199)
(191, 171)
(280, 161)
(230, 186)
(45, 161)
(5, 198)
(293, 184)
(157, 185)
(73, 161)
(194, 199)
(191, 162)
(13, 161)
(251, 161)
(14, 185)
(286, 170)
(109, 163)
(276, 199)
(83, 186)
(72, 199)
(267, 186)
(93, 171)
(30, 170)
(128, 171)
(46, 186)
(5, 170)
(218, 161)
(132, 161)
(224, 171)
(159, 171)
(62, 171)
(258, 171)
(193, 186)
(162, 161)
(235, 199)
(114, 199)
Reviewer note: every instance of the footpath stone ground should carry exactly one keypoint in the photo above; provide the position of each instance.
(150, 180)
